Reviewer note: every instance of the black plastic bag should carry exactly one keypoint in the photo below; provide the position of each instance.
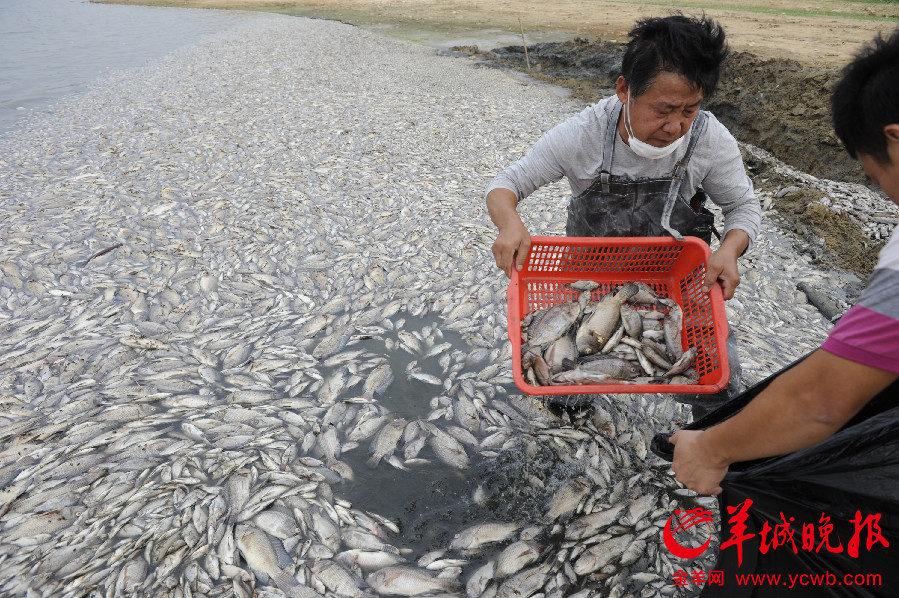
(839, 498)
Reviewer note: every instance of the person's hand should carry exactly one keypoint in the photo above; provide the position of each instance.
(693, 465)
(722, 268)
(512, 243)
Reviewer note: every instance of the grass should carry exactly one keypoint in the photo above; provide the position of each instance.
(408, 39)
(792, 12)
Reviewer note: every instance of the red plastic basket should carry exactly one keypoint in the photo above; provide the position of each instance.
(674, 269)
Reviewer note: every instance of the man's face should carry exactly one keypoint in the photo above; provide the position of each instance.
(662, 114)
(886, 176)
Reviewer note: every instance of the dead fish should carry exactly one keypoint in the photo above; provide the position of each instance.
(368, 560)
(377, 382)
(366, 427)
(256, 548)
(645, 294)
(592, 524)
(613, 341)
(329, 444)
(579, 376)
(566, 498)
(596, 330)
(333, 343)
(337, 579)
(612, 366)
(542, 371)
(632, 321)
(584, 285)
(644, 361)
(327, 530)
(682, 364)
(386, 441)
(448, 449)
(277, 523)
(525, 583)
(671, 327)
(408, 581)
(476, 536)
(599, 555)
(478, 581)
(237, 493)
(516, 556)
(655, 356)
(562, 348)
(556, 322)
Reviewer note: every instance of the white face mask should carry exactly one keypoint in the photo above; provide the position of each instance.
(642, 149)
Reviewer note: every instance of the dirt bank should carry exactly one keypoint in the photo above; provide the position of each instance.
(778, 105)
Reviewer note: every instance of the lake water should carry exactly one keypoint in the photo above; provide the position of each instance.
(51, 48)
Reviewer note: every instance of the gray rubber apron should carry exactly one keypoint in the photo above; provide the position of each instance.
(617, 206)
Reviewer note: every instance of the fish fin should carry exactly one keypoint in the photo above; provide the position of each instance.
(283, 580)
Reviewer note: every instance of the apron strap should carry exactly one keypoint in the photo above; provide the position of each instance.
(611, 130)
(680, 171)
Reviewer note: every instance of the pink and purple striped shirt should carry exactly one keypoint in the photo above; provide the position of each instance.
(869, 332)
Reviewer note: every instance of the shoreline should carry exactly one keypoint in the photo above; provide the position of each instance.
(825, 36)
(779, 105)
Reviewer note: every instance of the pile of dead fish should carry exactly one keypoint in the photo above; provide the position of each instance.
(628, 336)
(254, 342)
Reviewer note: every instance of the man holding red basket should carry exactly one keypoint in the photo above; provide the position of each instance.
(643, 161)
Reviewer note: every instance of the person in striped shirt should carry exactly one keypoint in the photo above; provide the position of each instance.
(814, 399)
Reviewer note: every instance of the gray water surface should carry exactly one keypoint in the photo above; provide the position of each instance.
(51, 48)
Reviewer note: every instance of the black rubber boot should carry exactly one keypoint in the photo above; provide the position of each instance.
(568, 400)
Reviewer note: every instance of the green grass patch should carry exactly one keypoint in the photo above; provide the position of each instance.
(774, 11)
(406, 37)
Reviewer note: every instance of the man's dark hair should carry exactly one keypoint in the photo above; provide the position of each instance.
(866, 99)
(692, 48)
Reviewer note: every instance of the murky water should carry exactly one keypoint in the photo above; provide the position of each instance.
(52, 48)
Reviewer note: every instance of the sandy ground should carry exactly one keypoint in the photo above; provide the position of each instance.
(821, 33)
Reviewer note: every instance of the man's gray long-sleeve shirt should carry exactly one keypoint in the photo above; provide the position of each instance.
(574, 149)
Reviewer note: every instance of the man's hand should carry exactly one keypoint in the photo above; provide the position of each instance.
(513, 240)
(722, 267)
(693, 465)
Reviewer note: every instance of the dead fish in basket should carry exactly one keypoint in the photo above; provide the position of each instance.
(555, 322)
(598, 328)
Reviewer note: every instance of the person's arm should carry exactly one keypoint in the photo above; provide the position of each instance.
(722, 266)
(571, 149)
(513, 239)
(727, 185)
(801, 407)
